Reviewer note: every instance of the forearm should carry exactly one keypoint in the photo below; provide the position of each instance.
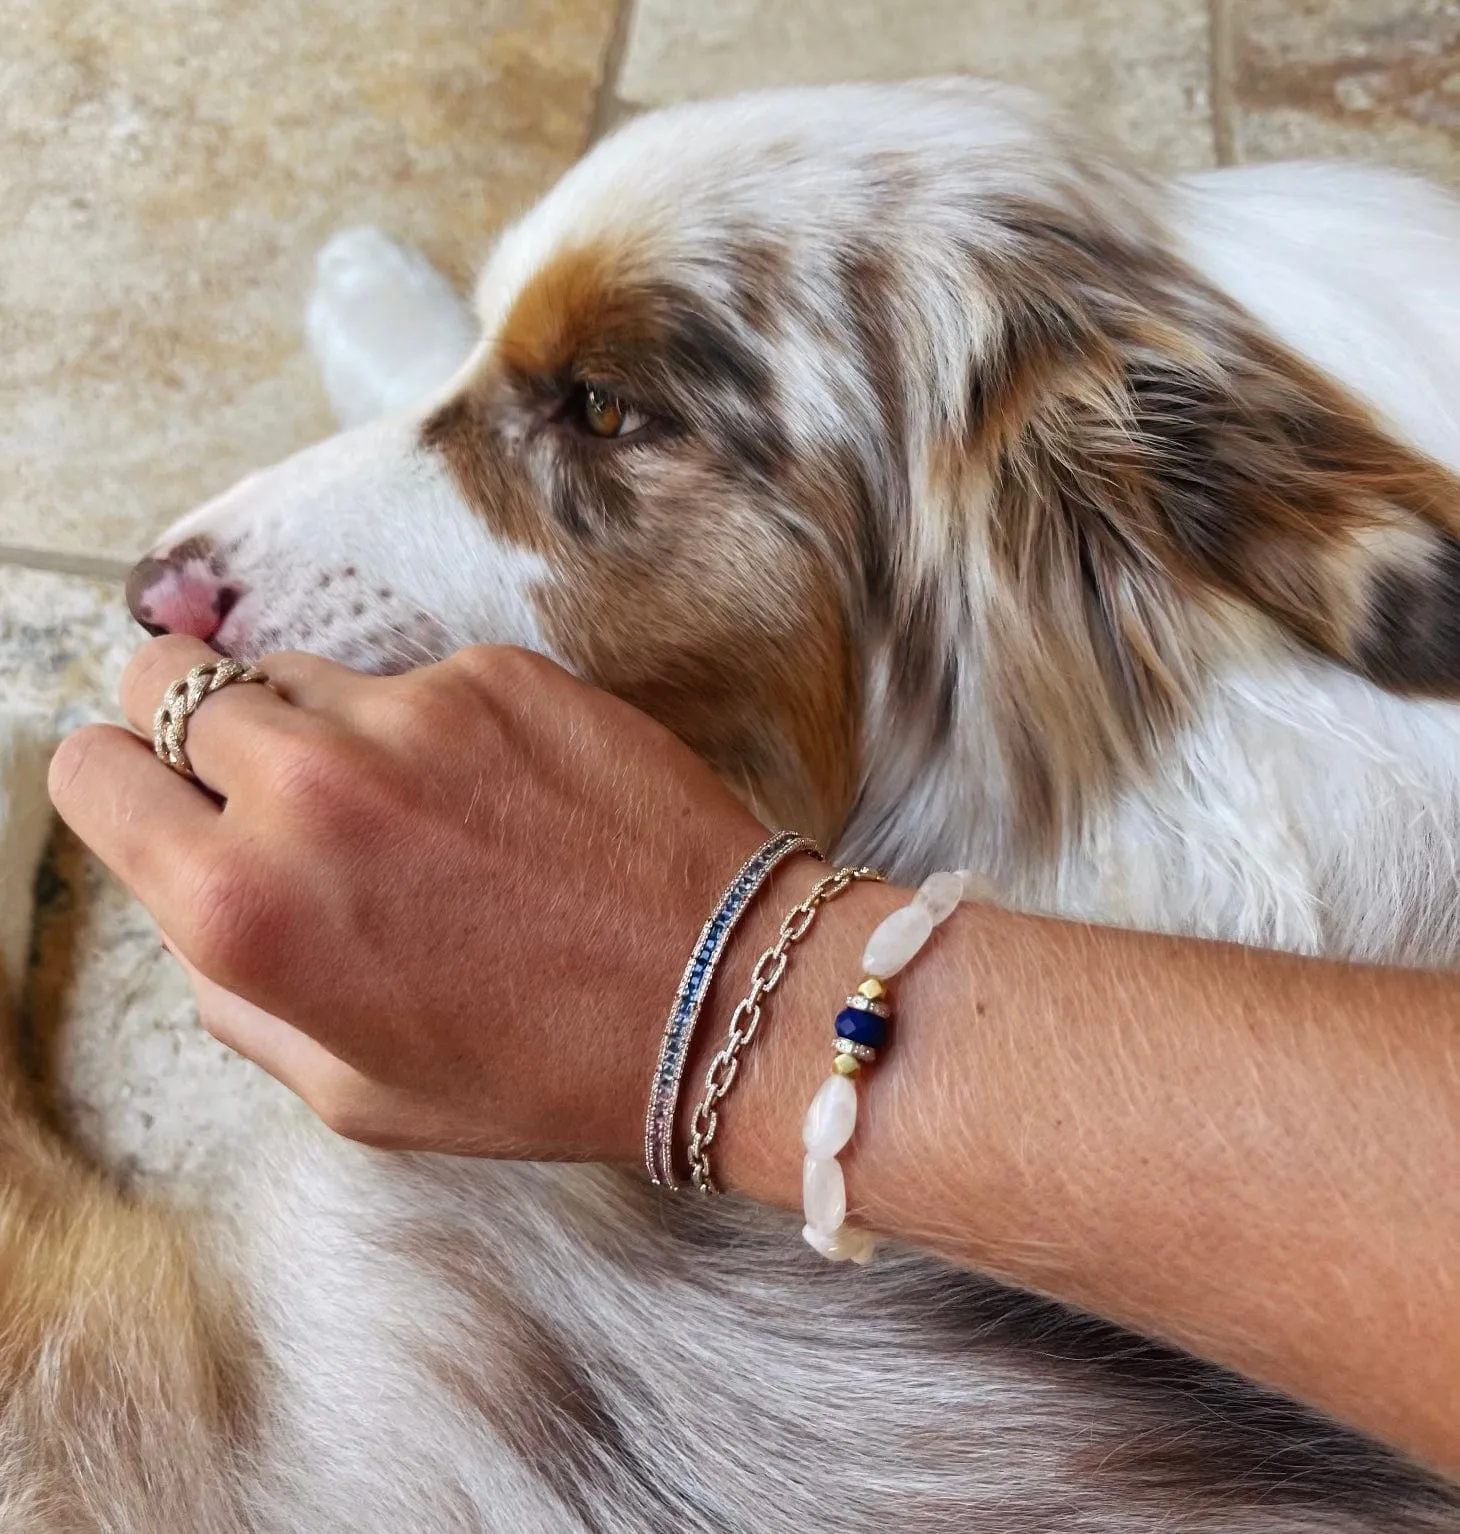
(1253, 1156)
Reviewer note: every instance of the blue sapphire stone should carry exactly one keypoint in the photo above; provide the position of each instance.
(861, 1027)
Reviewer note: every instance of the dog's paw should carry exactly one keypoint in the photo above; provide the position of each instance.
(385, 327)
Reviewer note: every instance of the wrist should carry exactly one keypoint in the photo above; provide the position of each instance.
(687, 890)
(757, 1147)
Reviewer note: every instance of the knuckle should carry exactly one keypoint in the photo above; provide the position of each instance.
(308, 770)
(158, 664)
(417, 708)
(338, 1103)
(502, 668)
(229, 920)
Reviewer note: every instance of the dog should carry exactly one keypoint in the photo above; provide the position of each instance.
(965, 497)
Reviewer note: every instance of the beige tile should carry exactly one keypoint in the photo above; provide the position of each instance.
(1137, 68)
(170, 167)
(137, 1082)
(1376, 79)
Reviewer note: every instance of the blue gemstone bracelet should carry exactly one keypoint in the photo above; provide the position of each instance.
(693, 988)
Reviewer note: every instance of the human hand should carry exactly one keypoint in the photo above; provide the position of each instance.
(471, 889)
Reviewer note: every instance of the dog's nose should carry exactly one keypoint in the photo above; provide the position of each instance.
(181, 592)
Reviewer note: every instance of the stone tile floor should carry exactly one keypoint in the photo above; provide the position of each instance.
(171, 166)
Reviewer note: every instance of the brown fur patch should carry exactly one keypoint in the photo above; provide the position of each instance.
(461, 432)
(568, 301)
(118, 1352)
(760, 271)
(1149, 453)
(600, 314)
(677, 583)
(771, 702)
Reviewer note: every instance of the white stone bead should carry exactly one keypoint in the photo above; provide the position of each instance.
(941, 895)
(845, 1245)
(831, 1118)
(820, 1242)
(896, 941)
(823, 1193)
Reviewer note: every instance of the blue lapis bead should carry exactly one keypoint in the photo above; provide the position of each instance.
(861, 1027)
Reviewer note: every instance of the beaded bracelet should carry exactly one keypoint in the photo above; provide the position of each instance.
(861, 1031)
(693, 986)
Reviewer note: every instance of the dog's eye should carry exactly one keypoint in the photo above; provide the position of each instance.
(607, 414)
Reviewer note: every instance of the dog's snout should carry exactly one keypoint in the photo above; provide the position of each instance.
(182, 591)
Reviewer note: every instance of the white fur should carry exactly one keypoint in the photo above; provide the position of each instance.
(384, 326)
(324, 561)
(448, 1346)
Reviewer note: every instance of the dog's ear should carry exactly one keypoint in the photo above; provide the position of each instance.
(1272, 484)
(1157, 463)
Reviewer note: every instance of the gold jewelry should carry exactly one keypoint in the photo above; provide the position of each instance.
(745, 1020)
(181, 701)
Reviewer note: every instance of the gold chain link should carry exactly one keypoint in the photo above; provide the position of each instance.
(745, 1020)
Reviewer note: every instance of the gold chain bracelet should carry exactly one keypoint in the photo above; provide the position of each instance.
(745, 1020)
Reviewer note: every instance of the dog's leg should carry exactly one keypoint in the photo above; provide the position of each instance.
(119, 1356)
(385, 327)
(25, 822)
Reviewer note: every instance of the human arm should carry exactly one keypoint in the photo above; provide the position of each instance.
(1250, 1155)
(472, 889)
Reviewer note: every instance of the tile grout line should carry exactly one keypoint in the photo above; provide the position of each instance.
(607, 108)
(90, 566)
(1221, 48)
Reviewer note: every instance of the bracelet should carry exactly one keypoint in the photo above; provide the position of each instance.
(861, 1031)
(693, 987)
(745, 1020)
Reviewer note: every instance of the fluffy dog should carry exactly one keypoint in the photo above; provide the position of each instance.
(966, 498)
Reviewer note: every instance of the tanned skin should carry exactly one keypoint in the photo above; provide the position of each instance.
(449, 881)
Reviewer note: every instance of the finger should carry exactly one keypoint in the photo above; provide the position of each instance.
(307, 681)
(347, 1101)
(229, 730)
(141, 819)
(289, 1055)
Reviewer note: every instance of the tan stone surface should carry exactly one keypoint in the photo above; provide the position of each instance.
(168, 169)
(1137, 68)
(1377, 79)
(138, 1083)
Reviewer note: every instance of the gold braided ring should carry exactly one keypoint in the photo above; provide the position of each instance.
(180, 702)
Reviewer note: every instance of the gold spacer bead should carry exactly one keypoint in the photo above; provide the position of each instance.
(846, 1065)
(872, 988)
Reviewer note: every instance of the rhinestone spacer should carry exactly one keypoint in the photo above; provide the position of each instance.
(863, 1052)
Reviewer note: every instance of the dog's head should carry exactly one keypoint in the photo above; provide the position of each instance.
(861, 436)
